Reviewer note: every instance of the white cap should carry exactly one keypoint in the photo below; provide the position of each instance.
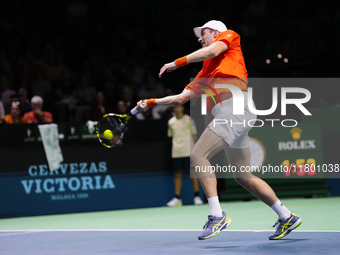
(213, 24)
(36, 100)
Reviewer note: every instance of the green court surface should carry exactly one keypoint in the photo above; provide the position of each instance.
(318, 214)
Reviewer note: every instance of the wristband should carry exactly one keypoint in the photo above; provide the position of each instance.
(151, 102)
(181, 62)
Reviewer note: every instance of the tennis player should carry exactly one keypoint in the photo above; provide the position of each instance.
(223, 63)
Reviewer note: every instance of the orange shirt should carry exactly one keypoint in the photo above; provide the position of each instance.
(226, 68)
(31, 118)
(9, 119)
(229, 64)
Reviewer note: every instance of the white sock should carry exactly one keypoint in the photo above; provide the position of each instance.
(215, 207)
(281, 210)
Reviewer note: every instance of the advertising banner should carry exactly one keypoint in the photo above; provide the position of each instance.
(281, 145)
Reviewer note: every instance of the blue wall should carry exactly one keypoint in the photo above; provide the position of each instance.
(334, 186)
(38, 195)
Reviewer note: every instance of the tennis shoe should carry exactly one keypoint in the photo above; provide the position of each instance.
(198, 201)
(174, 202)
(284, 227)
(214, 226)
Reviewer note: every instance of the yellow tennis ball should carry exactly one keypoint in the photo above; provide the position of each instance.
(108, 134)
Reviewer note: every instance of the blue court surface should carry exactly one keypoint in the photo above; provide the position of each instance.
(164, 230)
(165, 242)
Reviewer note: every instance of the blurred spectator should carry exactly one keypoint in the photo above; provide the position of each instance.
(53, 65)
(257, 9)
(64, 90)
(25, 105)
(147, 115)
(87, 69)
(86, 91)
(151, 88)
(121, 107)
(138, 74)
(117, 67)
(37, 115)
(65, 97)
(168, 114)
(127, 96)
(6, 93)
(158, 110)
(33, 46)
(15, 116)
(111, 93)
(2, 113)
(29, 69)
(77, 11)
(126, 80)
(42, 87)
(86, 97)
(98, 110)
(78, 56)
(6, 63)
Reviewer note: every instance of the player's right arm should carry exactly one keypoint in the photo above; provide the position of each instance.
(178, 99)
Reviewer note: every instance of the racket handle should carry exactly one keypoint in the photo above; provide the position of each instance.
(133, 111)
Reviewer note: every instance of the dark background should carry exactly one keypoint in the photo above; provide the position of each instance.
(54, 46)
(112, 44)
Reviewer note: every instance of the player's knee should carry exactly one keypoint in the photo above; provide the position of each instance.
(193, 156)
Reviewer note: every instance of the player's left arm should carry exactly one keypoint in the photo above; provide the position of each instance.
(200, 55)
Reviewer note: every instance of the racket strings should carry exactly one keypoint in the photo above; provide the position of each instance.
(116, 124)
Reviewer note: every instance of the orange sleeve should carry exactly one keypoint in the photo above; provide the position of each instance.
(229, 37)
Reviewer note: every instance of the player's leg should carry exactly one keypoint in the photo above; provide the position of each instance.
(208, 145)
(260, 189)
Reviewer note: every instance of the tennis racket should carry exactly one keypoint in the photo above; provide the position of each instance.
(110, 129)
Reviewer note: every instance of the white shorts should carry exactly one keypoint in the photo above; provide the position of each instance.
(233, 128)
